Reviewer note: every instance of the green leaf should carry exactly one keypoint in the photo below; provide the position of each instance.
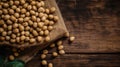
(15, 63)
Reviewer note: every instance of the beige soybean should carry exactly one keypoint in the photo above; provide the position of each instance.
(31, 36)
(38, 4)
(7, 38)
(40, 24)
(35, 25)
(22, 2)
(52, 9)
(36, 14)
(60, 47)
(2, 22)
(51, 22)
(59, 43)
(9, 22)
(29, 7)
(39, 38)
(5, 11)
(26, 19)
(14, 7)
(43, 56)
(5, 5)
(2, 38)
(61, 52)
(1, 12)
(34, 8)
(38, 19)
(31, 29)
(41, 14)
(22, 15)
(12, 40)
(38, 29)
(56, 18)
(22, 38)
(50, 16)
(46, 32)
(54, 54)
(47, 38)
(33, 18)
(9, 32)
(13, 36)
(44, 28)
(46, 15)
(27, 38)
(46, 22)
(21, 28)
(72, 38)
(17, 15)
(11, 57)
(41, 33)
(33, 2)
(50, 28)
(45, 51)
(5, 26)
(43, 18)
(13, 18)
(11, 2)
(16, 30)
(23, 11)
(35, 33)
(1, 30)
(67, 34)
(0, 6)
(7, 17)
(4, 33)
(15, 25)
(32, 12)
(42, 3)
(16, 3)
(50, 65)
(27, 28)
(17, 39)
(41, 9)
(23, 32)
(32, 40)
(11, 11)
(27, 14)
(52, 45)
(44, 62)
(25, 5)
(47, 11)
(25, 24)
(20, 20)
(30, 23)
(18, 34)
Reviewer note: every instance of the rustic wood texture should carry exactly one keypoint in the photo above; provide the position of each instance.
(80, 60)
(96, 26)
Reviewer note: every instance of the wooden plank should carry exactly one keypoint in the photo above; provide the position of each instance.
(80, 60)
(96, 31)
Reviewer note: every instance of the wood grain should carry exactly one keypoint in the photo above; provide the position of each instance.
(96, 30)
(80, 60)
(95, 24)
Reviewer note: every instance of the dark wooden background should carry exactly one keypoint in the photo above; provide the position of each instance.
(96, 26)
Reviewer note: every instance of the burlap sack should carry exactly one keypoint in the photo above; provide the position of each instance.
(58, 32)
(32, 49)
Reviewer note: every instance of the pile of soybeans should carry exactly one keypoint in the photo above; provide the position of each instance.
(26, 21)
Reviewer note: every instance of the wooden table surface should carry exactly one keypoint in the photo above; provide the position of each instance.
(96, 26)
